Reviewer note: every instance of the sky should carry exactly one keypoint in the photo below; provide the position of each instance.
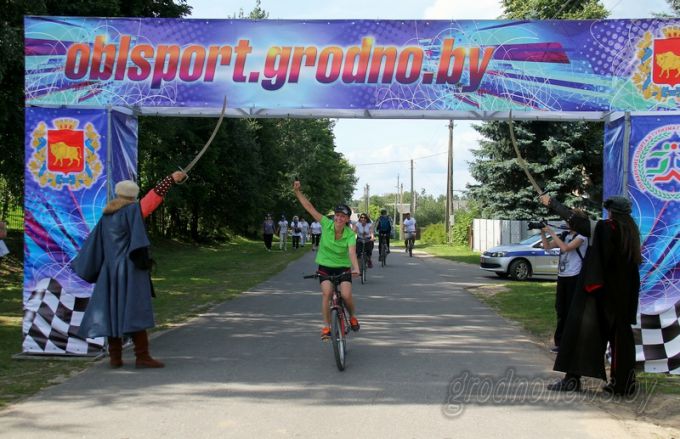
(381, 150)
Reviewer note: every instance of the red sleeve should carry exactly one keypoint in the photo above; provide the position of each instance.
(150, 202)
(164, 186)
(154, 198)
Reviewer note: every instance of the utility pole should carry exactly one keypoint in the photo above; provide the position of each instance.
(396, 197)
(413, 205)
(449, 184)
(368, 196)
(401, 202)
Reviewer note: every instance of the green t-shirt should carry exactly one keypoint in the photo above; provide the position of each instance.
(333, 253)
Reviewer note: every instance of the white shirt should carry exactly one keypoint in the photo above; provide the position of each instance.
(410, 225)
(295, 226)
(304, 225)
(363, 231)
(316, 228)
(283, 226)
(570, 262)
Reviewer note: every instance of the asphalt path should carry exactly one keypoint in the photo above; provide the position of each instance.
(430, 361)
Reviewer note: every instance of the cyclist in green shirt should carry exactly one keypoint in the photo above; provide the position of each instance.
(336, 255)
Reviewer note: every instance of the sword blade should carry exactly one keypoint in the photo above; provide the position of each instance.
(520, 159)
(188, 167)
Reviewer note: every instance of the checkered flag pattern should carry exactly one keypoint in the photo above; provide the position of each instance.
(51, 321)
(657, 341)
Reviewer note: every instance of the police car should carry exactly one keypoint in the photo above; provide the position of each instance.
(522, 260)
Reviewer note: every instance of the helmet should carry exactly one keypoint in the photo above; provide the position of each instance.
(343, 208)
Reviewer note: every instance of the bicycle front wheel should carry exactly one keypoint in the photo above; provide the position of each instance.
(363, 268)
(338, 339)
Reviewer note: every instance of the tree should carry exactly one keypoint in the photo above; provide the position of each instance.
(429, 210)
(675, 6)
(565, 157)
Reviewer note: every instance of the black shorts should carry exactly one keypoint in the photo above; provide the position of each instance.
(328, 271)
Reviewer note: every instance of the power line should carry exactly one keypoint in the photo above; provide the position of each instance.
(401, 161)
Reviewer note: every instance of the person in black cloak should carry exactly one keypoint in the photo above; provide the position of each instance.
(115, 257)
(605, 302)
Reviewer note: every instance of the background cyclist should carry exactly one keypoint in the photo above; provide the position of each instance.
(336, 254)
(384, 228)
(365, 237)
(409, 229)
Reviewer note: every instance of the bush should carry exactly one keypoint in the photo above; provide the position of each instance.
(462, 225)
(434, 234)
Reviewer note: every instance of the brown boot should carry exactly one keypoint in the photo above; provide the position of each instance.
(144, 360)
(115, 352)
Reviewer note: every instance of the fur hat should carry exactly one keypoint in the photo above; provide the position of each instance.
(127, 188)
(618, 204)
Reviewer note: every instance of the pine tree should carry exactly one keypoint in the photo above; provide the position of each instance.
(565, 158)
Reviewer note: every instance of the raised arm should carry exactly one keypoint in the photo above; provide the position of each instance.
(305, 202)
(155, 196)
(547, 245)
(576, 222)
(564, 247)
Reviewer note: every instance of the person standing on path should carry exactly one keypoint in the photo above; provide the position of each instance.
(282, 231)
(315, 229)
(296, 231)
(115, 257)
(336, 256)
(268, 228)
(304, 226)
(605, 302)
(573, 248)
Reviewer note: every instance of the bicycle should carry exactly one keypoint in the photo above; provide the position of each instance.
(411, 242)
(340, 324)
(363, 262)
(382, 252)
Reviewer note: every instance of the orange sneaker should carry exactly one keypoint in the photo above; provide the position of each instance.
(325, 333)
(354, 323)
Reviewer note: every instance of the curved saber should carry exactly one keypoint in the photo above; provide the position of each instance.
(188, 167)
(520, 159)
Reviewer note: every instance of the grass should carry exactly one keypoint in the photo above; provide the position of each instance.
(532, 305)
(458, 253)
(189, 279)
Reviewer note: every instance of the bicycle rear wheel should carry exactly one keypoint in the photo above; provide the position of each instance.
(338, 340)
(383, 261)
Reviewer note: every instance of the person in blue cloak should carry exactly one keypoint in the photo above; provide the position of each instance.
(115, 257)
